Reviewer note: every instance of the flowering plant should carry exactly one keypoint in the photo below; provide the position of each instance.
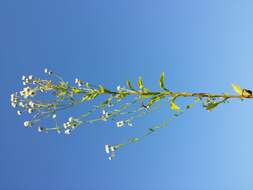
(61, 95)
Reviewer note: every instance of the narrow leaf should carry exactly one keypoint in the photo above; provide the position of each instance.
(237, 89)
(162, 82)
(130, 85)
(174, 106)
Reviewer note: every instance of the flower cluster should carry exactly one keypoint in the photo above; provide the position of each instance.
(28, 80)
(110, 149)
(14, 100)
(42, 99)
(71, 124)
(105, 115)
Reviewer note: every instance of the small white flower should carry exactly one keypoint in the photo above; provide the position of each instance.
(54, 116)
(77, 81)
(19, 112)
(21, 104)
(30, 77)
(107, 148)
(110, 158)
(112, 148)
(13, 104)
(71, 119)
(27, 123)
(23, 77)
(12, 96)
(40, 129)
(105, 115)
(119, 88)
(130, 124)
(46, 71)
(65, 125)
(120, 123)
(30, 110)
(22, 93)
(31, 104)
(67, 131)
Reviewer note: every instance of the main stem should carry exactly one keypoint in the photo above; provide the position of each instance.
(183, 94)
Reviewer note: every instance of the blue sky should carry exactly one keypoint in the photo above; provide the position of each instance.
(200, 45)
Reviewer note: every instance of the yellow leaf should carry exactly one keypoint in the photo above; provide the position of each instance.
(76, 90)
(237, 89)
(174, 106)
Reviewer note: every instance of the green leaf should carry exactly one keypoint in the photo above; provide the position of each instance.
(108, 101)
(101, 89)
(130, 85)
(155, 99)
(174, 106)
(151, 129)
(133, 140)
(140, 83)
(141, 86)
(237, 89)
(162, 82)
(189, 106)
(76, 90)
(212, 105)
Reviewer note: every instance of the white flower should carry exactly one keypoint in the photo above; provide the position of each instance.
(21, 104)
(31, 104)
(23, 77)
(12, 96)
(27, 123)
(112, 148)
(13, 104)
(77, 80)
(118, 87)
(120, 123)
(65, 125)
(27, 91)
(54, 116)
(30, 110)
(67, 131)
(19, 112)
(107, 148)
(129, 123)
(46, 71)
(71, 119)
(110, 158)
(30, 77)
(105, 115)
(40, 129)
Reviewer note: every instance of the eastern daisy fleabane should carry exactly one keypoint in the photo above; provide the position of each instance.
(19, 112)
(118, 88)
(105, 115)
(47, 71)
(40, 129)
(30, 110)
(67, 132)
(27, 123)
(107, 148)
(120, 123)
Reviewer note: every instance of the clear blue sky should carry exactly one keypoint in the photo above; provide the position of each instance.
(200, 45)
